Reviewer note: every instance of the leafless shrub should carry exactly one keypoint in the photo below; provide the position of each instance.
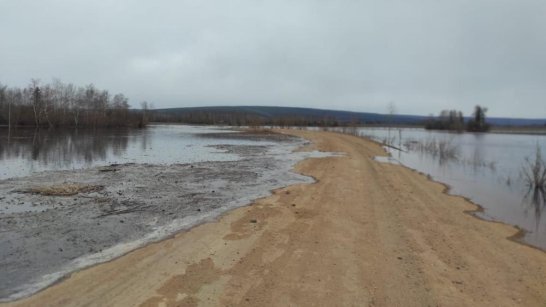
(388, 141)
(443, 149)
(534, 171)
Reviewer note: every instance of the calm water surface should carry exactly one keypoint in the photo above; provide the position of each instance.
(25, 151)
(486, 168)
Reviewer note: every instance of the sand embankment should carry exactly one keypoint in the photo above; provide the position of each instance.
(366, 233)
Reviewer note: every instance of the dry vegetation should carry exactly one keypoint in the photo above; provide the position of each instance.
(534, 172)
(65, 189)
(443, 149)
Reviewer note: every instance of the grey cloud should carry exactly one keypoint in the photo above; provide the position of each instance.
(423, 55)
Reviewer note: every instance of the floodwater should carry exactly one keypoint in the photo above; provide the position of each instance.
(484, 167)
(27, 151)
(151, 183)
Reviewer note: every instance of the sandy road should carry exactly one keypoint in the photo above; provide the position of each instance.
(367, 234)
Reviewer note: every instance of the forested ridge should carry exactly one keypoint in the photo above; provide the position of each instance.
(297, 116)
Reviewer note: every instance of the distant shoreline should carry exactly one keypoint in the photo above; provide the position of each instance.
(529, 130)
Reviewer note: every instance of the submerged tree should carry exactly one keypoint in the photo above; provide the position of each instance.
(534, 171)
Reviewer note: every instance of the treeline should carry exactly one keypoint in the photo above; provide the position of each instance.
(58, 104)
(447, 120)
(453, 120)
(200, 117)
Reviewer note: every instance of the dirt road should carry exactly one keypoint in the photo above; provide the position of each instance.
(366, 234)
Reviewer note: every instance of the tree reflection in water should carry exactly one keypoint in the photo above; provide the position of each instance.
(535, 199)
(62, 148)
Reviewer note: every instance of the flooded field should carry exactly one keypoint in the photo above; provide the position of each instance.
(26, 151)
(69, 200)
(484, 167)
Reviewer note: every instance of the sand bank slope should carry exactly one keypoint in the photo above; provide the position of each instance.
(366, 234)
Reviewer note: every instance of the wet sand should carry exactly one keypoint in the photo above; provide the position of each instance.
(366, 234)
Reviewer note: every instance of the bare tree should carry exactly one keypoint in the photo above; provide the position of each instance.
(36, 94)
(391, 109)
(58, 104)
(144, 107)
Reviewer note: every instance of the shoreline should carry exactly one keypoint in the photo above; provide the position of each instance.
(519, 232)
(300, 167)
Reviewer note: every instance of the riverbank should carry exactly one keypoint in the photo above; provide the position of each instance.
(367, 233)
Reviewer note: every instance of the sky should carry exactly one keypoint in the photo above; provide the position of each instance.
(422, 56)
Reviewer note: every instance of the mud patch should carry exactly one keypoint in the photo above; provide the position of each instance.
(64, 189)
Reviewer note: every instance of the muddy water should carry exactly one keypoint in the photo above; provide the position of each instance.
(165, 179)
(485, 168)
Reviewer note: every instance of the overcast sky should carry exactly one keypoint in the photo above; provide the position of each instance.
(422, 55)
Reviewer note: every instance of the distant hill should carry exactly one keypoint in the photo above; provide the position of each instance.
(506, 121)
(272, 114)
